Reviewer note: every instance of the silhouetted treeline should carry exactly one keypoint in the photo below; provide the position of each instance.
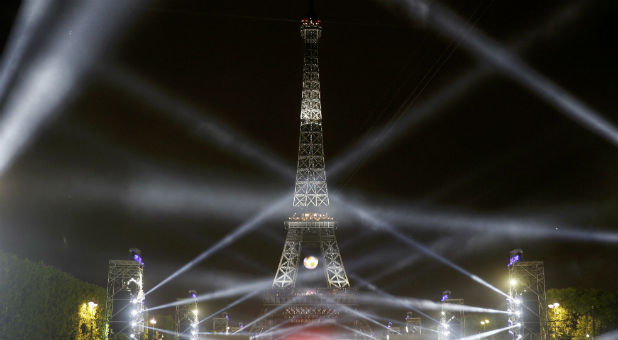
(38, 301)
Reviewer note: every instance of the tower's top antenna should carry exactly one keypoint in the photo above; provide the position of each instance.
(311, 16)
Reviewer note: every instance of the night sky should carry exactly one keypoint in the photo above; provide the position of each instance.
(114, 168)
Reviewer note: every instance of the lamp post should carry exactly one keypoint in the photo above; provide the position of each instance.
(554, 306)
(484, 324)
(153, 322)
(92, 311)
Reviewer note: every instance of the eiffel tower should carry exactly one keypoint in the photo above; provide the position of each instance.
(310, 227)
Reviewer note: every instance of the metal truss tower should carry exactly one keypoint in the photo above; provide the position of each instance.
(221, 324)
(311, 223)
(527, 302)
(452, 323)
(187, 319)
(310, 228)
(124, 287)
(414, 325)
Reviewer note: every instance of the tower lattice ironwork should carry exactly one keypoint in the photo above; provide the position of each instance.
(527, 302)
(311, 188)
(311, 223)
(186, 318)
(310, 227)
(124, 290)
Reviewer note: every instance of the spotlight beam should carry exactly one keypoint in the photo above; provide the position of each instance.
(372, 287)
(198, 121)
(371, 221)
(449, 24)
(364, 316)
(354, 312)
(228, 239)
(371, 144)
(608, 335)
(486, 334)
(407, 261)
(234, 303)
(269, 313)
(28, 20)
(250, 287)
(381, 299)
(273, 330)
(167, 332)
(444, 220)
(53, 75)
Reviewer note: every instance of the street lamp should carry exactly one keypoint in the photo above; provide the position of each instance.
(91, 308)
(554, 306)
(484, 324)
(153, 322)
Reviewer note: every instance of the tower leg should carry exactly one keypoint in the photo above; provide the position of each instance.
(335, 272)
(288, 265)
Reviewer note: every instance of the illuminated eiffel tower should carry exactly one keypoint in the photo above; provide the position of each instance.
(310, 227)
(311, 222)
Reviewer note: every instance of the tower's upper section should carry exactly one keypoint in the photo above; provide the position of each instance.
(310, 189)
(311, 31)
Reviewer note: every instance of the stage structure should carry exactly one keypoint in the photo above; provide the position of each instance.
(452, 323)
(187, 318)
(221, 324)
(310, 231)
(124, 305)
(527, 302)
(414, 325)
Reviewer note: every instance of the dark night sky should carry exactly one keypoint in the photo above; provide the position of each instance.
(113, 170)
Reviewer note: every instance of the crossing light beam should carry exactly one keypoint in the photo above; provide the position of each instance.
(448, 23)
(52, 77)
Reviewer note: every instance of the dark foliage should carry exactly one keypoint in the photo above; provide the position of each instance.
(38, 301)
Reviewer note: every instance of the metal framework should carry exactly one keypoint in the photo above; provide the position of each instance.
(414, 325)
(527, 301)
(187, 319)
(125, 276)
(299, 306)
(311, 190)
(221, 325)
(457, 319)
(452, 323)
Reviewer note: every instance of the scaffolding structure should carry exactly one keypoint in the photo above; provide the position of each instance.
(221, 325)
(452, 323)
(125, 290)
(527, 302)
(186, 319)
(414, 325)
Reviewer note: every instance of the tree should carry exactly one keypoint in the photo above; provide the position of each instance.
(576, 312)
(38, 301)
